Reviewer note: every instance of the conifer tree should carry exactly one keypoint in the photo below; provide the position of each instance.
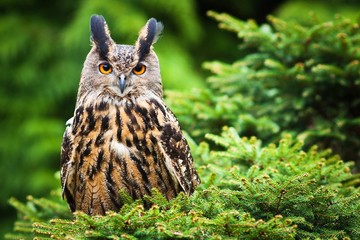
(248, 192)
(302, 79)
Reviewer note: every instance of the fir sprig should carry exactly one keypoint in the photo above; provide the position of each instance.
(285, 180)
(274, 192)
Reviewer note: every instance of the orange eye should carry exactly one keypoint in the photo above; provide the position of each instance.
(139, 69)
(105, 68)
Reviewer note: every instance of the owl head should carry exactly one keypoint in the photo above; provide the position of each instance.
(118, 70)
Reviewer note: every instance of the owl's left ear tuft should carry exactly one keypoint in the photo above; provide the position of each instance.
(149, 34)
(100, 35)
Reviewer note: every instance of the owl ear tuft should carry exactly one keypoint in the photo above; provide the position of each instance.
(149, 34)
(100, 35)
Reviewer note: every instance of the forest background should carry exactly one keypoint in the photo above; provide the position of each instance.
(43, 45)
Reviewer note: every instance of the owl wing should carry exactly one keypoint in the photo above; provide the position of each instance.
(178, 159)
(66, 165)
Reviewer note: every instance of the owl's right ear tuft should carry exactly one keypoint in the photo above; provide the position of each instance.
(149, 34)
(100, 35)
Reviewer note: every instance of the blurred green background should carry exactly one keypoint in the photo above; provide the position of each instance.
(42, 48)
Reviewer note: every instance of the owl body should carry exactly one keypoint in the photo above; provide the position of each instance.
(122, 135)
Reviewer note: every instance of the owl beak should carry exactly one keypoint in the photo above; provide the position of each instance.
(122, 83)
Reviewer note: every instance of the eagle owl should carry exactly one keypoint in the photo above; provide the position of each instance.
(122, 135)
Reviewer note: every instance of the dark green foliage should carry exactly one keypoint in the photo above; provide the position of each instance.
(248, 192)
(305, 11)
(290, 77)
(37, 210)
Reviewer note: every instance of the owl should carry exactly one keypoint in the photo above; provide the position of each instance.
(122, 136)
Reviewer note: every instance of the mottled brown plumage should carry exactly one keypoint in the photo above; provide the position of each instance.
(122, 135)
